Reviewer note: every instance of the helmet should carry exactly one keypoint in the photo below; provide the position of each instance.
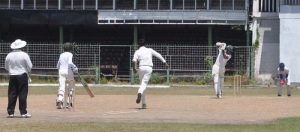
(281, 66)
(141, 42)
(229, 49)
(68, 47)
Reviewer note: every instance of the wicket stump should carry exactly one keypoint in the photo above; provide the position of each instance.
(237, 83)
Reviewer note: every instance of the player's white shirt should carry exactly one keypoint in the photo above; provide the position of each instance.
(144, 56)
(219, 66)
(65, 62)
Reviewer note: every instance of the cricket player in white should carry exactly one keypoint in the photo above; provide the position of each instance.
(66, 68)
(218, 69)
(144, 56)
(283, 79)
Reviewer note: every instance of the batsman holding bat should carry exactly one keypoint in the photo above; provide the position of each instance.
(66, 69)
(282, 77)
(144, 56)
(218, 69)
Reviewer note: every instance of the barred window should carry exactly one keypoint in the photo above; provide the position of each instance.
(105, 4)
(153, 4)
(268, 5)
(141, 4)
(52, 4)
(189, 4)
(77, 4)
(164, 4)
(201, 4)
(40, 4)
(15, 4)
(227, 4)
(215, 4)
(177, 4)
(3, 4)
(239, 4)
(28, 4)
(90, 4)
(124, 4)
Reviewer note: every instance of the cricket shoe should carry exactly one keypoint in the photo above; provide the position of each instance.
(26, 115)
(138, 99)
(144, 106)
(11, 116)
(219, 96)
(59, 105)
(69, 105)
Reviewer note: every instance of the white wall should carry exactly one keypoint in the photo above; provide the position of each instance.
(290, 40)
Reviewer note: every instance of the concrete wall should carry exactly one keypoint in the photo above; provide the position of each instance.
(267, 55)
(290, 40)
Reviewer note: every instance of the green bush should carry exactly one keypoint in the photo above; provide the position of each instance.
(156, 78)
(103, 80)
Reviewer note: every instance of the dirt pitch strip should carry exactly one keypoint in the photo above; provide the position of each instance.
(161, 108)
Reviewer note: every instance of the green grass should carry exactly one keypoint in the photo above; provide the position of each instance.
(263, 91)
(282, 125)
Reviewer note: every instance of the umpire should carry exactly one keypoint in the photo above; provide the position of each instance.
(18, 64)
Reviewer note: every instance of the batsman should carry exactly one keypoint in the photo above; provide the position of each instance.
(282, 77)
(218, 69)
(66, 69)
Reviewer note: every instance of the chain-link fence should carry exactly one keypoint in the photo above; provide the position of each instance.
(115, 60)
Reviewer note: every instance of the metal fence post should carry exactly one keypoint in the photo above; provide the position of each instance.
(168, 76)
(131, 73)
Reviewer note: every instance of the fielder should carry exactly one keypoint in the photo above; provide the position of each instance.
(66, 69)
(218, 69)
(144, 56)
(282, 77)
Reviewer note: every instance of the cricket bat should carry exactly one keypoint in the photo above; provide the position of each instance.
(85, 85)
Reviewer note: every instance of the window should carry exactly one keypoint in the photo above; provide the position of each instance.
(28, 4)
(105, 4)
(40, 4)
(189, 4)
(67, 4)
(78, 4)
(239, 5)
(124, 4)
(141, 4)
(177, 4)
(153, 4)
(3, 4)
(90, 4)
(52, 4)
(215, 4)
(15, 4)
(164, 5)
(227, 4)
(201, 4)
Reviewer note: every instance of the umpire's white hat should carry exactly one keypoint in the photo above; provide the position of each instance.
(17, 44)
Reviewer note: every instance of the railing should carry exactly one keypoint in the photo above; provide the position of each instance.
(290, 2)
(115, 60)
(124, 4)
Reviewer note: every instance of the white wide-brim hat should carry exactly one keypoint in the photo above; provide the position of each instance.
(17, 44)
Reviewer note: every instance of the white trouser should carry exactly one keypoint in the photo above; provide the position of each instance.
(144, 75)
(218, 83)
(63, 77)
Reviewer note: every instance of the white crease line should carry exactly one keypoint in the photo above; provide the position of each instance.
(118, 112)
